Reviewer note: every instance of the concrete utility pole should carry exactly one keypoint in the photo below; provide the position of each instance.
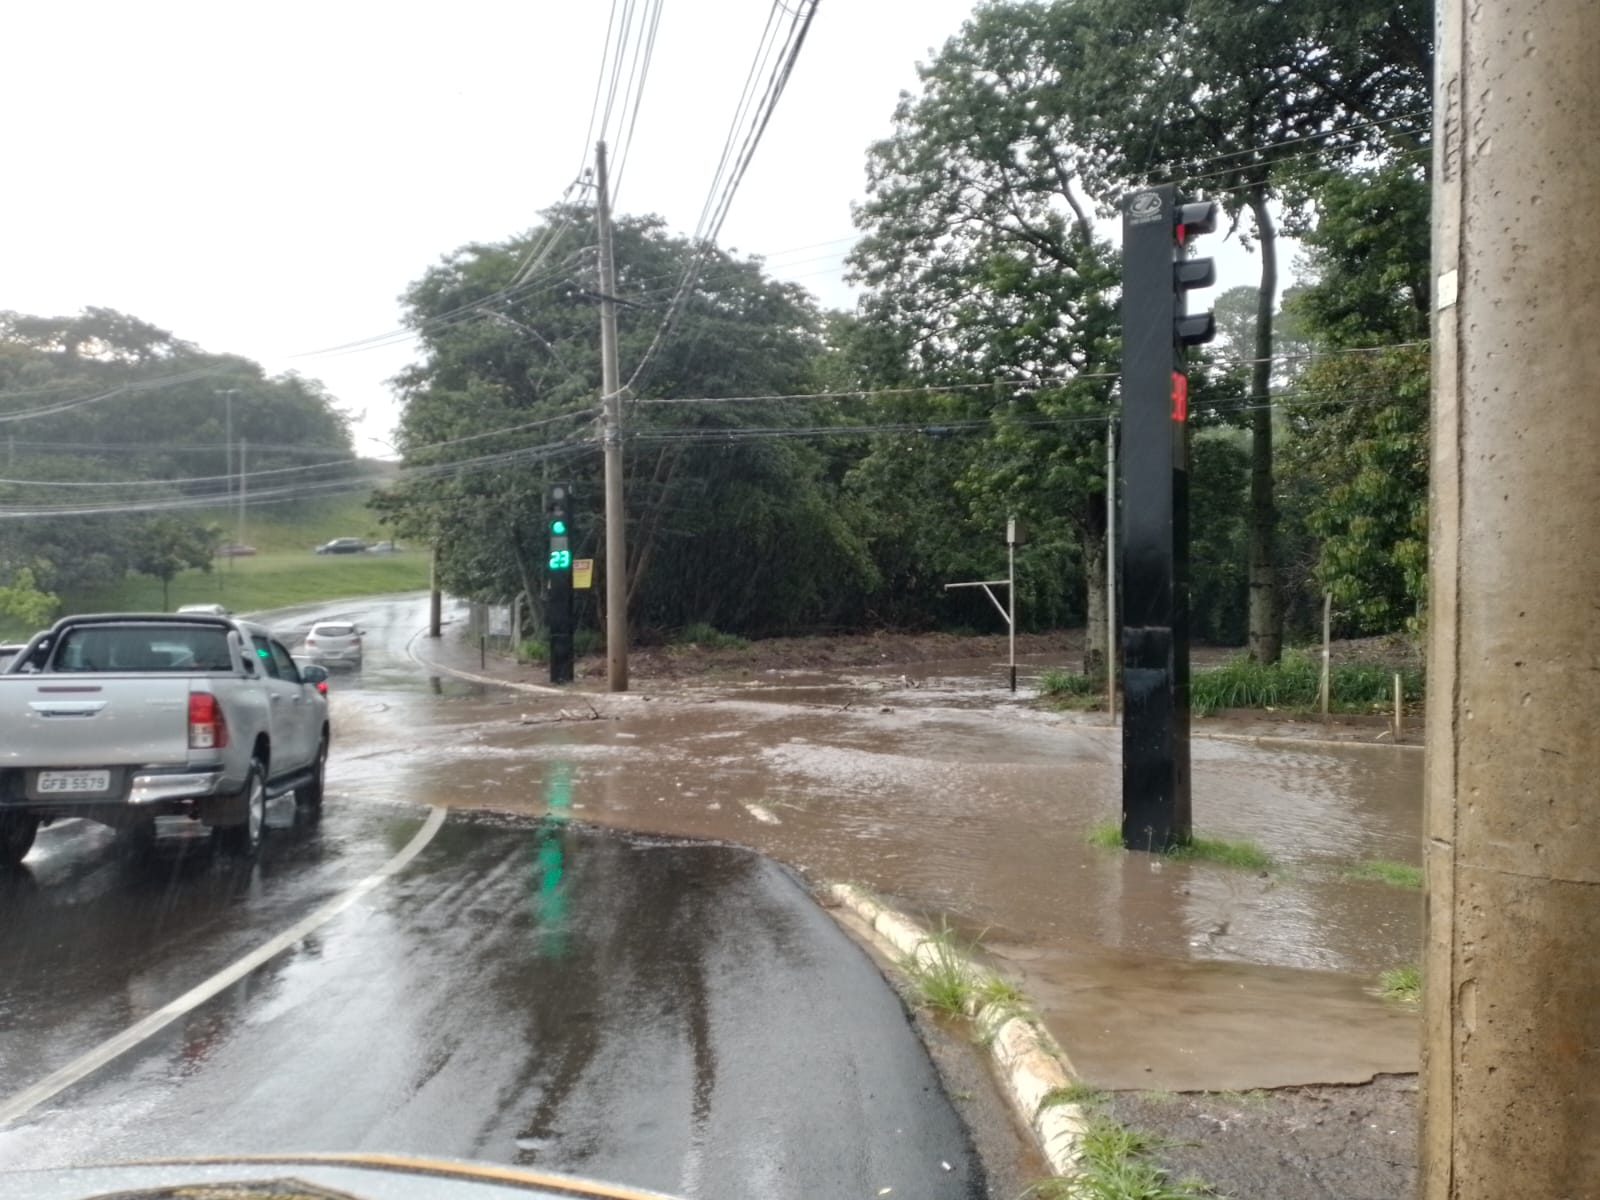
(1511, 1064)
(435, 597)
(611, 386)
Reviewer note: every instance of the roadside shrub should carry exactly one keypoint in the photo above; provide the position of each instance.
(533, 650)
(1294, 682)
(1056, 682)
(709, 637)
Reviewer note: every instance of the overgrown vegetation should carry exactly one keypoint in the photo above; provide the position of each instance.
(1071, 690)
(708, 637)
(1294, 684)
(1402, 984)
(1395, 874)
(1107, 835)
(1226, 852)
(1116, 1162)
(943, 979)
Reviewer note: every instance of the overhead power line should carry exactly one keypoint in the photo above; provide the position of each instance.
(730, 173)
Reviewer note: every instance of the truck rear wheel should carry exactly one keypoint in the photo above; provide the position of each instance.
(309, 795)
(17, 831)
(244, 839)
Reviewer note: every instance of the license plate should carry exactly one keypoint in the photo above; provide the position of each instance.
(55, 782)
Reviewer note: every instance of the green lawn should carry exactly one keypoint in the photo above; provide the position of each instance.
(267, 581)
(299, 526)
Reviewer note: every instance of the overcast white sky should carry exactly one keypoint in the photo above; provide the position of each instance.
(266, 179)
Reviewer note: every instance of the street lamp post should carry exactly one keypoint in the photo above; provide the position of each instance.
(227, 445)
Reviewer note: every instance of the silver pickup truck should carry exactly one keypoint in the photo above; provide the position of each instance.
(121, 718)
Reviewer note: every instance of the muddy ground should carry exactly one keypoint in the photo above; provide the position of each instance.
(1306, 1143)
(887, 648)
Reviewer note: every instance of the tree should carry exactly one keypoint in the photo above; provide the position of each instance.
(167, 545)
(733, 517)
(987, 280)
(142, 403)
(1250, 94)
(25, 603)
(1358, 455)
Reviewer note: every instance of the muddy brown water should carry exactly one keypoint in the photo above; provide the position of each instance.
(941, 791)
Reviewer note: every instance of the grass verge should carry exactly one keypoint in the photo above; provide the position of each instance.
(265, 581)
(1114, 1163)
(943, 979)
(1395, 874)
(1402, 984)
(1106, 834)
(1225, 852)
(1294, 682)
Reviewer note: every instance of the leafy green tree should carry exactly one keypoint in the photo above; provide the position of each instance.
(158, 407)
(23, 601)
(734, 517)
(167, 545)
(1358, 455)
(1250, 95)
(989, 285)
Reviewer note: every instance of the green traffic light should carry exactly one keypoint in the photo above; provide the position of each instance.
(558, 527)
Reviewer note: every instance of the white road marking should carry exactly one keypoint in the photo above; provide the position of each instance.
(763, 815)
(58, 1081)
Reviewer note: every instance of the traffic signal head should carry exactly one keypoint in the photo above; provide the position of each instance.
(1199, 216)
(556, 516)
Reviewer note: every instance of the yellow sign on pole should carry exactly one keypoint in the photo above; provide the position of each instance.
(583, 573)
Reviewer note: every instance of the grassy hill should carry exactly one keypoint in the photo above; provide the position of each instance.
(281, 527)
(285, 571)
(269, 581)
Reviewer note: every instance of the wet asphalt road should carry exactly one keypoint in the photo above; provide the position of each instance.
(667, 1014)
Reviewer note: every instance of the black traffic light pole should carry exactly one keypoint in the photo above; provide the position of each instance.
(558, 590)
(1155, 491)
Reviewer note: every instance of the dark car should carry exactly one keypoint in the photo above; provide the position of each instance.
(342, 546)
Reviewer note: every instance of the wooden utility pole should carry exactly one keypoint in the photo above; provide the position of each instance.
(1510, 1086)
(611, 386)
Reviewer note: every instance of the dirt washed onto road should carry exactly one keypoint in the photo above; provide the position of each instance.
(979, 815)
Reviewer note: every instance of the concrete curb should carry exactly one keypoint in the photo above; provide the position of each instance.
(1028, 1061)
(472, 677)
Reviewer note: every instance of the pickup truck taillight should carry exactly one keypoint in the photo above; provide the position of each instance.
(208, 729)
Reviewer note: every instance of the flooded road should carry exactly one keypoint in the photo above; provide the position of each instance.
(528, 989)
(947, 795)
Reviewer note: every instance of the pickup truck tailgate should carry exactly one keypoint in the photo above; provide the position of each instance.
(93, 720)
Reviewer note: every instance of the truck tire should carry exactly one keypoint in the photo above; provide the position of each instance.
(244, 839)
(309, 795)
(17, 831)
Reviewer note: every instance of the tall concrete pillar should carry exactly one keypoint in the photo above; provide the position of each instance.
(1511, 1065)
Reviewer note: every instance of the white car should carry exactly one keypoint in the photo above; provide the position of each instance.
(208, 610)
(332, 642)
